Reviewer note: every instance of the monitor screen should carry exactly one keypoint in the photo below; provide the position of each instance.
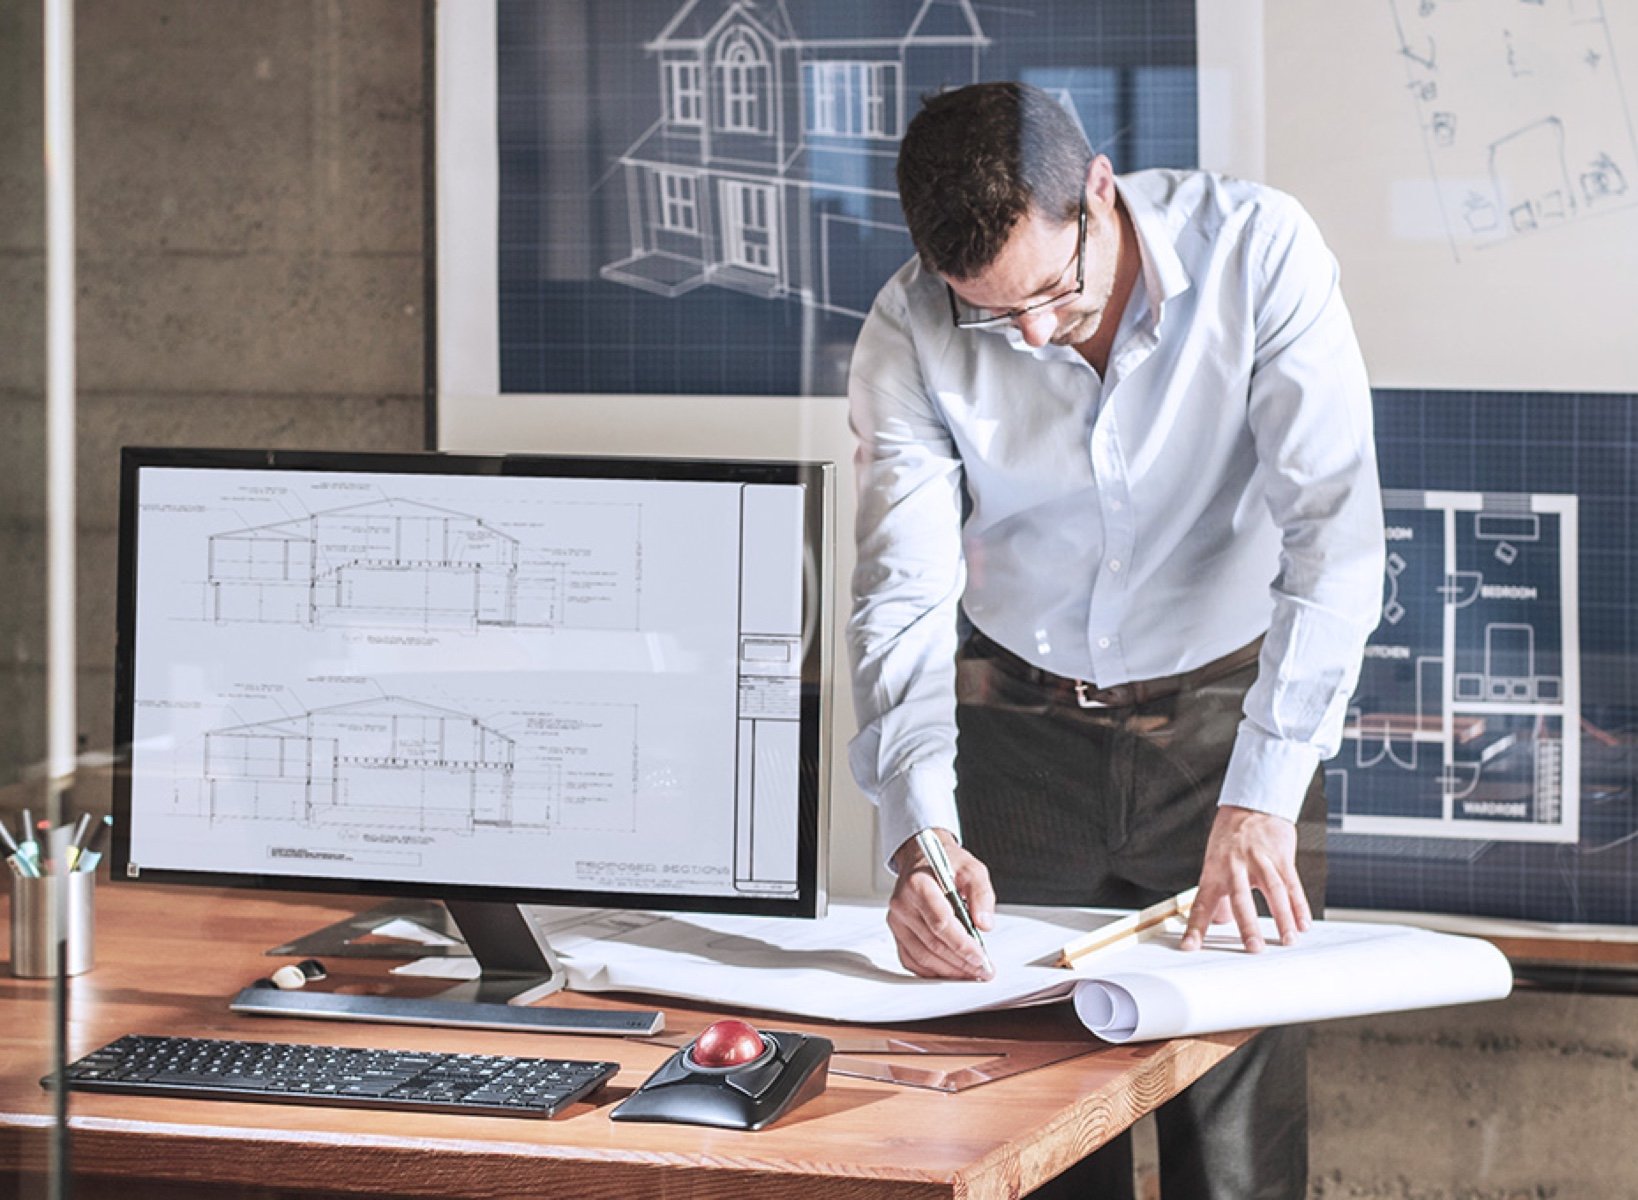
(492, 679)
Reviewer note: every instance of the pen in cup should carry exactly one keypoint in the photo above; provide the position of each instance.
(21, 864)
(8, 842)
(28, 850)
(933, 850)
(91, 853)
(76, 841)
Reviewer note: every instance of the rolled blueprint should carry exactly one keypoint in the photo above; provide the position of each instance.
(1335, 969)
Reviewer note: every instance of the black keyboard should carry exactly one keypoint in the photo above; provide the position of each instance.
(286, 1072)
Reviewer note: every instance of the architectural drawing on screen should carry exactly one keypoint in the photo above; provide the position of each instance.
(769, 166)
(401, 563)
(404, 767)
(1466, 722)
(1523, 114)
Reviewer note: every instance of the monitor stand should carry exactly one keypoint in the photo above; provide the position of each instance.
(516, 966)
(359, 935)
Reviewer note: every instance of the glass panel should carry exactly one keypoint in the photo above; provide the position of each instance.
(166, 354)
(30, 992)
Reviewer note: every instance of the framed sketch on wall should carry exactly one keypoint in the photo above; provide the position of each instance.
(697, 196)
(1463, 157)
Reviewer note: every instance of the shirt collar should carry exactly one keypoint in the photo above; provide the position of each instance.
(1164, 275)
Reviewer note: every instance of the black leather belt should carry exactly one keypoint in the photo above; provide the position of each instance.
(1083, 693)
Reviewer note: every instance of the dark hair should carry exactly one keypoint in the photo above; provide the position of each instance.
(975, 160)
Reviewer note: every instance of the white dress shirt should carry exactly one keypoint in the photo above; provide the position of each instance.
(1218, 482)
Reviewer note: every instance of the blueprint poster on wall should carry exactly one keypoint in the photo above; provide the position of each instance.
(1487, 764)
(697, 196)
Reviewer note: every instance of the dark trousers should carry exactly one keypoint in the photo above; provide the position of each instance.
(1112, 806)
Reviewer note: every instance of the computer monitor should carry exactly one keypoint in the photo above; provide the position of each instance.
(491, 680)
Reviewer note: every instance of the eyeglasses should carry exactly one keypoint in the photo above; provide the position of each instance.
(1014, 314)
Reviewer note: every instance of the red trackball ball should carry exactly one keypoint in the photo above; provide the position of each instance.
(727, 1044)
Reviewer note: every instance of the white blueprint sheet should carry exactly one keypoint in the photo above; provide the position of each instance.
(844, 967)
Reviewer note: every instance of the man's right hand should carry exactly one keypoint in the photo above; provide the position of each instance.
(931, 941)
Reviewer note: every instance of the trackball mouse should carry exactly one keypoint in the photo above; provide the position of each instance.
(732, 1076)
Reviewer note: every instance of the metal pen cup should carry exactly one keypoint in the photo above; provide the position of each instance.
(49, 912)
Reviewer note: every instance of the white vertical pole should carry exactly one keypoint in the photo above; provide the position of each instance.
(61, 716)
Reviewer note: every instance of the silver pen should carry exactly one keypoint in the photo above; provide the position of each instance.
(932, 848)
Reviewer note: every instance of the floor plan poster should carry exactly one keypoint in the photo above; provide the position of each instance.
(1472, 680)
(1488, 760)
(698, 196)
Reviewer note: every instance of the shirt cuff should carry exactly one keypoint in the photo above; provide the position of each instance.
(1268, 774)
(921, 798)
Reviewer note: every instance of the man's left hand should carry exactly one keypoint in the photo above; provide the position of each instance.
(1249, 851)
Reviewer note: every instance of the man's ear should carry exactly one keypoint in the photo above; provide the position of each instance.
(1100, 183)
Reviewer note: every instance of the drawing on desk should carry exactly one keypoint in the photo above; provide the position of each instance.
(1466, 720)
(1523, 115)
(844, 967)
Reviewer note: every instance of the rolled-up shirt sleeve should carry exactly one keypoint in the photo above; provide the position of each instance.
(907, 585)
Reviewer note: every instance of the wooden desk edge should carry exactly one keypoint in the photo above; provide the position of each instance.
(118, 1156)
(143, 1158)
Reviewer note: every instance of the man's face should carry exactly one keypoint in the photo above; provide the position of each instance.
(1038, 262)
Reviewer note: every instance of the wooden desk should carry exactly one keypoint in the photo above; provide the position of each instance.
(168, 959)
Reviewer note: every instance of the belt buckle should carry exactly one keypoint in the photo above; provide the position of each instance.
(1083, 696)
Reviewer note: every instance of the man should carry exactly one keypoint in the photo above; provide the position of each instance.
(1119, 526)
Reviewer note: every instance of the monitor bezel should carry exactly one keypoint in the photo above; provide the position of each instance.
(818, 543)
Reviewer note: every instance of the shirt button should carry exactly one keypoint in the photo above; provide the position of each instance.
(1103, 643)
(1114, 564)
(1115, 506)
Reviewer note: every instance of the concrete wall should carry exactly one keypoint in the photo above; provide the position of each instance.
(1530, 1098)
(250, 272)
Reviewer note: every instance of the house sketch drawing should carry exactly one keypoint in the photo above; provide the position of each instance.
(402, 563)
(1523, 115)
(769, 167)
(1467, 717)
(403, 766)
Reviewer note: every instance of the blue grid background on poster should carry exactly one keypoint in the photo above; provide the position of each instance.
(593, 294)
(1536, 443)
